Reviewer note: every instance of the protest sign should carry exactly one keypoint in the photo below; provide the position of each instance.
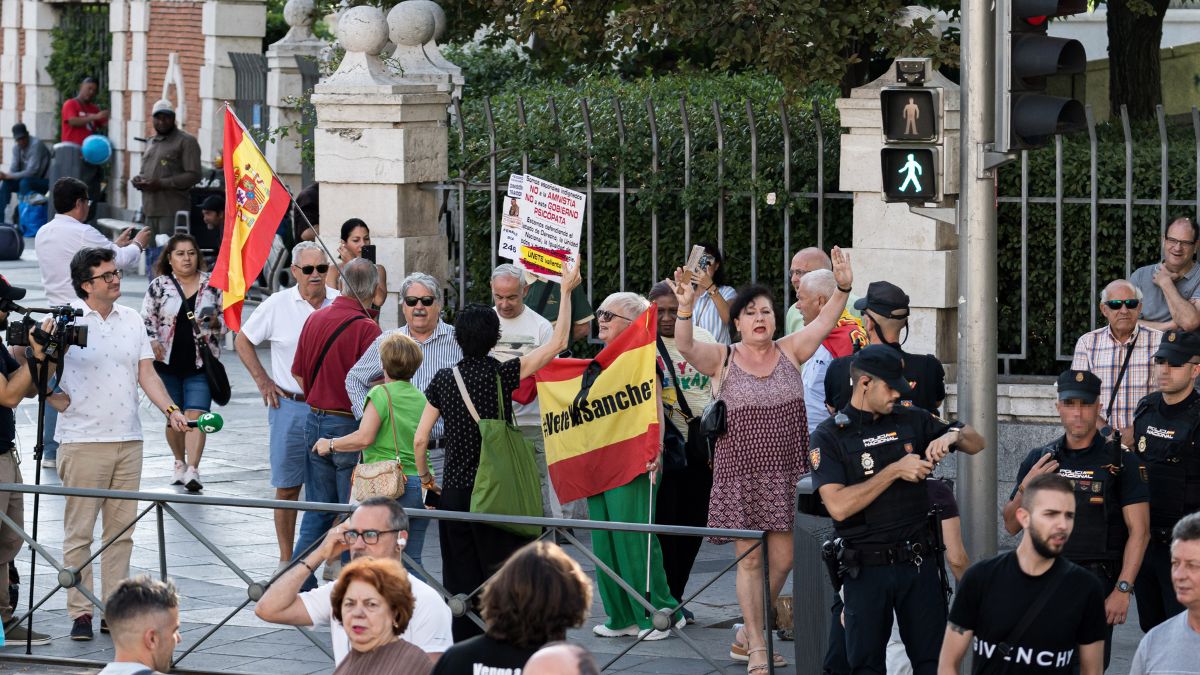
(510, 222)
(551, 225)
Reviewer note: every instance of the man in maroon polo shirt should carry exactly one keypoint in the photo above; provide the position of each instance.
(331, 342)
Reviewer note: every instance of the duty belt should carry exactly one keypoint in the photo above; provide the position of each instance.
(891, 554)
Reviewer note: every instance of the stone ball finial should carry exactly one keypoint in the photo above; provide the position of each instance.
(411, 24)
(362, 29)
(439, 17)
(298, 13)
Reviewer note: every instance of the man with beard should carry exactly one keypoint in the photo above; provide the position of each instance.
(1112, 508)
(1027, 611)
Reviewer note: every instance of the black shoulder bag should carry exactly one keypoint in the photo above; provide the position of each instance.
(697, 450)
(1007, 647)
(712, 420)
(214, 370)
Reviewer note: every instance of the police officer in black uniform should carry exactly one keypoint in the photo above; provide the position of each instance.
(1166, 427)
(1112, 511)
(885, 317)
(870, 463)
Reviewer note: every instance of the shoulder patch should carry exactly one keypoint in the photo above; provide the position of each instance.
(814, 458)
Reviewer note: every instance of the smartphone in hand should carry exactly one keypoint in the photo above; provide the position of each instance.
(368, 252)
(432, 498)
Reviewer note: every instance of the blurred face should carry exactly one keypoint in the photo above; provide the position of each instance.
(1174, 380)
(611, 322)
(213, 218)
(164, 124)
(1123, 319)
(1185, 573)
(375, 518)
(23, 142)
(508, 296)
(420, 319)
(101, 290)
(184, 259)
(756, 323)
(1078, 419)
(809, 303)
(668, 307)
(877, 397)
(367, 617)
(1179, 246)
(163, 640)
(359, 237)
(1049, 522)
(312, 284)
(87, 92)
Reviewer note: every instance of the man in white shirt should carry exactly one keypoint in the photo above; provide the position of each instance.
(378, 528)
(100, 435)
(278, 320)
(812, 293)
(56, 243)
(143, 614)
(521, 331)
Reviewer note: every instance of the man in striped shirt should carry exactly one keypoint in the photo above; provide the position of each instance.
(1104, 350)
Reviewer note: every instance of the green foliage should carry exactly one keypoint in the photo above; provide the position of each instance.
(276, 25)
(662, 191)
(79, 48)
(1075, 242)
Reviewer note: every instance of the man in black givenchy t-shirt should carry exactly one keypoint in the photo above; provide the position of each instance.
(1029, 611)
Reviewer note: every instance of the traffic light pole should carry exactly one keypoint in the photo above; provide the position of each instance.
(978, 279)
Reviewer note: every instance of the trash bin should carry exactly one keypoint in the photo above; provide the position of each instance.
(811, 590)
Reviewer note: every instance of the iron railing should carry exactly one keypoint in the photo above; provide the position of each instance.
(250, 88)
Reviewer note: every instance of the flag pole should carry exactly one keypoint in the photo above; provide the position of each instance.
(294, 208)
(649, 542)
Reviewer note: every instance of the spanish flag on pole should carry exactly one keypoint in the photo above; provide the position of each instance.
(255, 202)
(600, 436)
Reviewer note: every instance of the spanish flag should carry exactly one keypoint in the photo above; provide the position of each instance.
(600, 416)
(255, 202)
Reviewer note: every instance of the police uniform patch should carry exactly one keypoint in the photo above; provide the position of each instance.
(868, 463)
(1143, 474)
(908, 447)
(1079, 377)
(1097, 487)
(1142, 444)
(1095, 500)
(1170, 337)
(814, 458)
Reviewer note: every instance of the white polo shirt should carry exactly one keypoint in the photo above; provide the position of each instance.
(279, 320)
(102, 378)
(428, 629)
(518, 337)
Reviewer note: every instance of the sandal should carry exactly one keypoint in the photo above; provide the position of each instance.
(738, 651)
(760, 668)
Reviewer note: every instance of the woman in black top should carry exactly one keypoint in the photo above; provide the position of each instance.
(470, 551)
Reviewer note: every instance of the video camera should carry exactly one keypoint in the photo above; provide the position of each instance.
(65, 332)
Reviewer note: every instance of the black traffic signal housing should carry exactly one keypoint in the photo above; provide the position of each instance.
(911, 158)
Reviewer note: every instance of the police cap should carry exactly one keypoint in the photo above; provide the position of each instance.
(885, 299)
(884, 363)
(1080, 385)
(1178, 347)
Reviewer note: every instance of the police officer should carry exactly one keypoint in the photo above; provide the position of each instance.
(1165, 430)
(885, 317)
(870, 463)
(1112, 511)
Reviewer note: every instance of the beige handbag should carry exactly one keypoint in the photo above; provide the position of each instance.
(380, 479)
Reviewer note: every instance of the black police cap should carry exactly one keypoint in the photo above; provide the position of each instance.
(1078, 384)
(1178, 347)
(10, 292)
(884, 363)
(885, 299)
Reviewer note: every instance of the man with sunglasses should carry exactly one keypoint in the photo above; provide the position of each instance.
(1119, 354)
(277, 321)
(1171, 288)
(1166, 428)
(378, 528)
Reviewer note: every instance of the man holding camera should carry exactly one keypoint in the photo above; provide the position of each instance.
(98, 428)
(16, 383)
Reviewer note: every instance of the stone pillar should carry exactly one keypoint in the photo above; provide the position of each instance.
(228, 26)
(379, 135)
(285, 84)
(918, 254)
(10, 71)
(41, 98)
(127, 87)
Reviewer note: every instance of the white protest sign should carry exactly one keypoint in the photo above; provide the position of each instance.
(551, 226)
(510, 222)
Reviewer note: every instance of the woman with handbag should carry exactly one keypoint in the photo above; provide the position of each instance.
(183, 318)
(385, 436)
(763, 450)
(473, 395)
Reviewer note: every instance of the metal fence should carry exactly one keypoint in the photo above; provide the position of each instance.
(164, 506)
(250, 88)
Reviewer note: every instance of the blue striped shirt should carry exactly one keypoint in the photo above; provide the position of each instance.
(440, 350)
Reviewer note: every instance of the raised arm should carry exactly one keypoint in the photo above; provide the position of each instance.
(799, 346)
(538, 358)
(703, 356)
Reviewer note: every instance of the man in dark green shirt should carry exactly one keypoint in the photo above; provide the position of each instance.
(543, 298)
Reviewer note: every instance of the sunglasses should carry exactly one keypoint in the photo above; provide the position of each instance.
(606, 316)
(309, 269)
(1131, 303)
(412, 300)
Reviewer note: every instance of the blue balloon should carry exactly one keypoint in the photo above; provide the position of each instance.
(97, 149)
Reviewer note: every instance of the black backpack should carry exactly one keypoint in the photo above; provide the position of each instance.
(12, 244)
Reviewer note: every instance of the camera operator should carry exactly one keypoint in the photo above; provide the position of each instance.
(99, 432)
(16, 383)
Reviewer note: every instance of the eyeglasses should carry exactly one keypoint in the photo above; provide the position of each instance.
(368, 536)
(1172, 241)
(108, 277)
(309, 269)
(426, 300)
(1131, 303)
(799, 273)
(606, 316)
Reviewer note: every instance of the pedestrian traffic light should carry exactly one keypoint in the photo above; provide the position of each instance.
(1026, 117)
(911, 157)
(911, 174)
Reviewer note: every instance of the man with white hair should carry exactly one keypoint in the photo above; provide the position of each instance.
(278, 321)
(805, 261)
(814, 290)
(1120, 355)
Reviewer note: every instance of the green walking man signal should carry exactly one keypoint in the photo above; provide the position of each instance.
(913, 169)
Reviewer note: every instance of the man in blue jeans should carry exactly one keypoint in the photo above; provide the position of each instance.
(331, 342)
(27, 173)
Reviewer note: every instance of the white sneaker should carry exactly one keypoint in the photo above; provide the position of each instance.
(601, 630)
(651, 635)
(191, 479)
(49, 464)
(176, 475)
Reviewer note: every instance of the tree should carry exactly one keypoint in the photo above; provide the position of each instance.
(1134, 72)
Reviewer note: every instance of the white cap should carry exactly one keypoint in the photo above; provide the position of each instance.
(162, 106)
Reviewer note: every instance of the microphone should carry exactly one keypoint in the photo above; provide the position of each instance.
(209, 423)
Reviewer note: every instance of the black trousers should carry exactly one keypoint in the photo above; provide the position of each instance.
(1156, 600)
(471, 552)
(682, 500)
(836, 662)
(914, 593)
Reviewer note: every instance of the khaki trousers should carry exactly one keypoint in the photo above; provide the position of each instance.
(106, 466)
(13, 505)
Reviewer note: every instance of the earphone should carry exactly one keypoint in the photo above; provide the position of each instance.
(400, 542)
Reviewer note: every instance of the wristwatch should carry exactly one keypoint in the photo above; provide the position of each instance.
(1124, 587)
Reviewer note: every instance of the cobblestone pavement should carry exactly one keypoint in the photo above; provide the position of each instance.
(235, 465)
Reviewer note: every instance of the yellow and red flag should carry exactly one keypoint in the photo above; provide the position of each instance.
(600, 437)
(255, 203)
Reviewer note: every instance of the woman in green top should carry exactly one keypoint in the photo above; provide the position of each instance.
(389, 424)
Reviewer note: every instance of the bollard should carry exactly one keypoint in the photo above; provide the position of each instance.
(811, 590)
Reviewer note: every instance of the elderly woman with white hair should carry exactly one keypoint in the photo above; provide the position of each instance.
(625, 552)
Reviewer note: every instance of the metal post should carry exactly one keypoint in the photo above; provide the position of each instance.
(977, 324)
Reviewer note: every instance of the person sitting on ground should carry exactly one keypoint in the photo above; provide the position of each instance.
(533, 599)
(143, 617)
(561, 658)
(373, 599)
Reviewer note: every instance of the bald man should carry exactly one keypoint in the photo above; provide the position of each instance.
(808, 260)
(561, 658)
